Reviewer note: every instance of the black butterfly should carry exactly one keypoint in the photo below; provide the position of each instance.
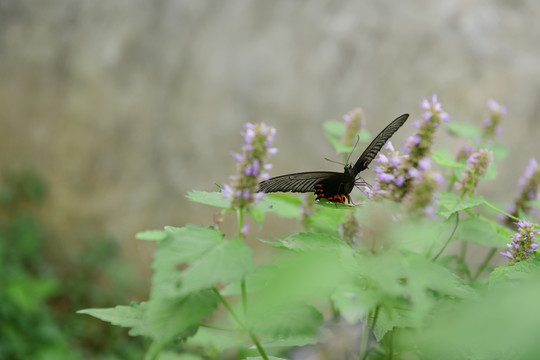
(331, 185)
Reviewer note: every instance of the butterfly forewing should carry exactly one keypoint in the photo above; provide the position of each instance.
(375, 146)
(298, 182)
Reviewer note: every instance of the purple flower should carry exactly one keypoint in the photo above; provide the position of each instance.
(354, 122)
(385, 177)
(244, 230)
(477, 165)
(529, 190)
(492, 120)
(243, 187)
(523, 243)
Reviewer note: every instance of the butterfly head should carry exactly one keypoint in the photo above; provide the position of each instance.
(349, 170)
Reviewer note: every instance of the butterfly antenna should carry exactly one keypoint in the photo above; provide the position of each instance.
(354, 148)
(336, 162)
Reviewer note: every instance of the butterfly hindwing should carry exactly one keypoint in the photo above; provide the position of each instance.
(375, 146)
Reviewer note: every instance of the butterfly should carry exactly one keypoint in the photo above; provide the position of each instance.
(331, 185)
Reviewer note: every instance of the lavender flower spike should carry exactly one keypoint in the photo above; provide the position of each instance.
(523, 243)
(257, 148)
(477, 165)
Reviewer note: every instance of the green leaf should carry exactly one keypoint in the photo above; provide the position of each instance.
(224, 263)
(311, 241)
(281, 322)
(491, 172)
(408, 286)
(207, 258)
(500, 324)
(334, 131)
(218, 340)
(256, 214)
(534, 203)
(524, 270)
(450, 203)
(303, 276)
(499, 152)
(132, 317)
(169, 355)
(284, 205)
(465, 130)
(327, 219)
(214, 199)
(334, 128)
(354, 302)
(153, 235)
(182, 246)
(445, 158)
(481, 231)
(177, 317)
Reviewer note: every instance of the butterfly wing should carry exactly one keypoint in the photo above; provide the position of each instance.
(298, 182)
(375, 146)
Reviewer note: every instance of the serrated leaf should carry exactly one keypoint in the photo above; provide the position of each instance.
(500, 324)
(214, 198)
(281, 322)
(354, 302)
(182, 246)
(224, 263)
(450, 203)
(445, 158)
(524, 270)
(465, 130)
(218, 340)
(169, 355)
(132, 317)
(311, 241)
(284, 205)
(207, 259)
(326, 219)
(152, 235)
(480, 231)
(256, 214)
(177, 317)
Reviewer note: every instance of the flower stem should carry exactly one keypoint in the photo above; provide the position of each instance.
(449, 238)
(241, 323)
(500, 211)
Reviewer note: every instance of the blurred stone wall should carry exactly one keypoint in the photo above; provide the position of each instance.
(127, 105)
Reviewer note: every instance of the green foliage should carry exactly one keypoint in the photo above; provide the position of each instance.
(210, 301)
(37, 299)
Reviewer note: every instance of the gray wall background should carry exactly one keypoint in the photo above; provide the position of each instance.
(127, 105)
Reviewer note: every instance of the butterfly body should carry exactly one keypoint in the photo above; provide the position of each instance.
(330, 185)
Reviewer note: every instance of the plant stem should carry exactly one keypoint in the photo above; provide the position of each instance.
(484, 264)
(242, 325)
(449, 238)
(365, 339)
(244, 295)
(240, 221)
(500, 211)
(217, 327)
